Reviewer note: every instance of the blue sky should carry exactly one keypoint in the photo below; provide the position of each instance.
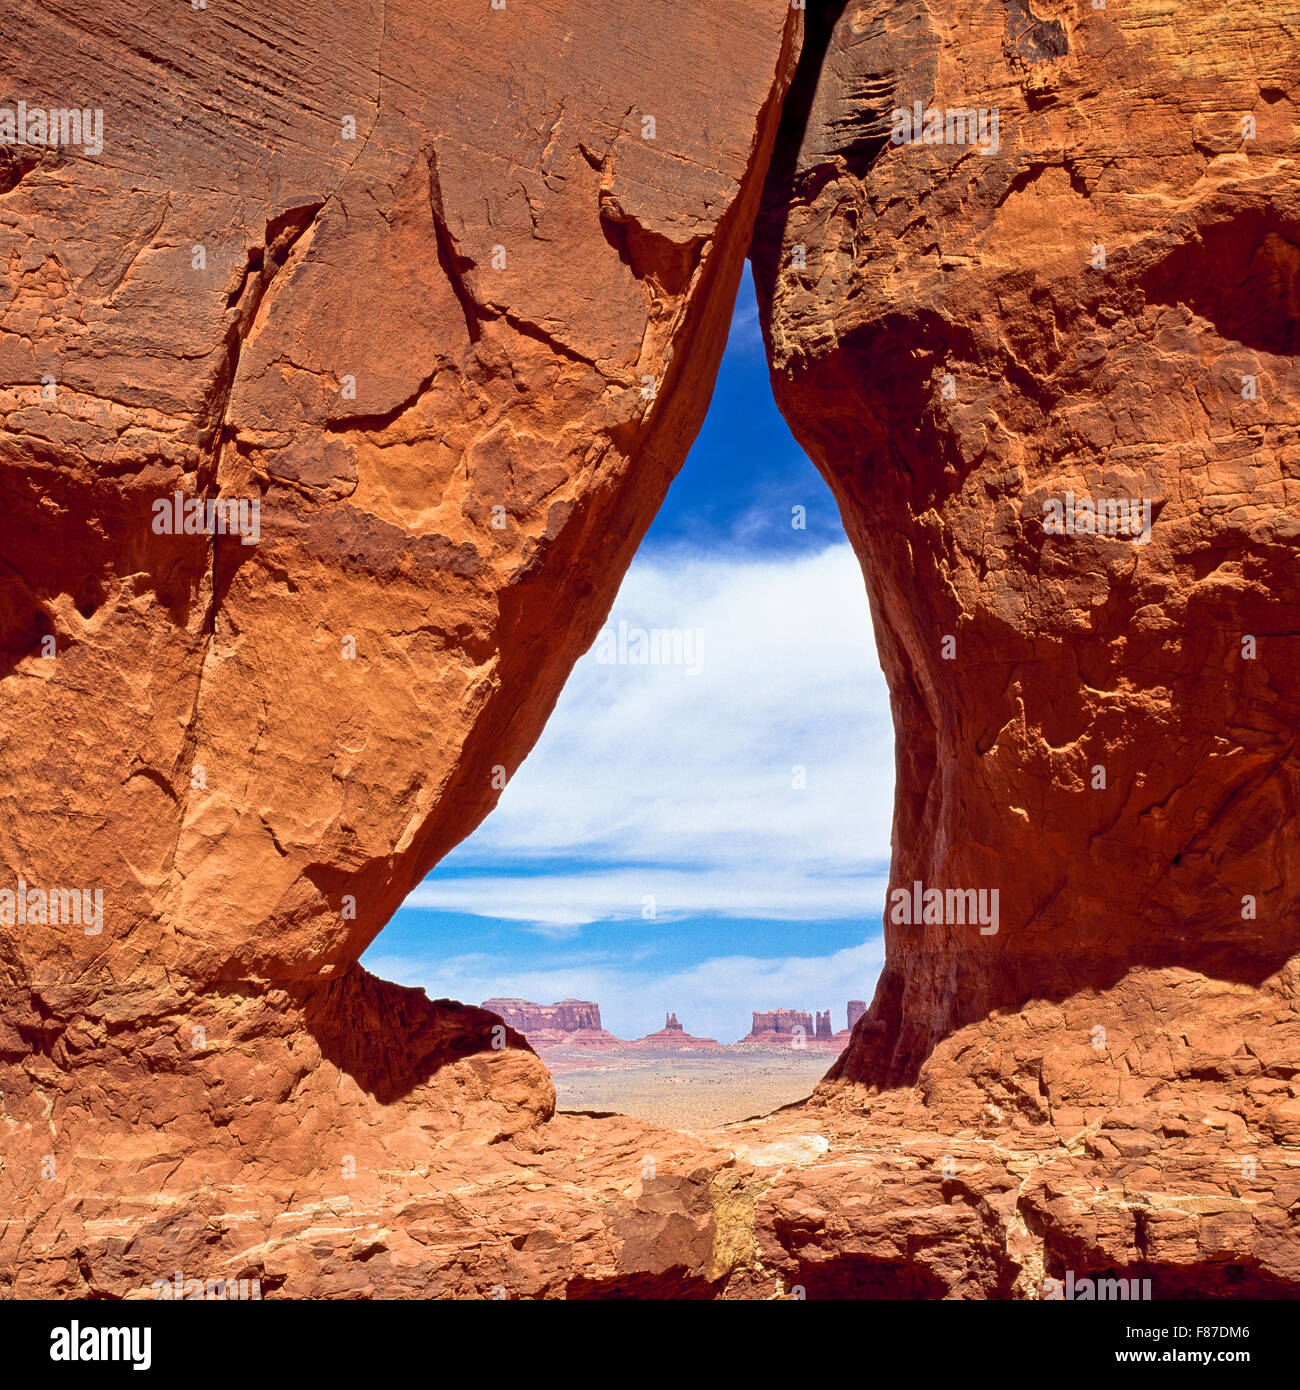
(660, 848)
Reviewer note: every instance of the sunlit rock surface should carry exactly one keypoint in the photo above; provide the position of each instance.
(444, 292)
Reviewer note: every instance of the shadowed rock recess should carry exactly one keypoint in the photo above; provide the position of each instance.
(444, 290)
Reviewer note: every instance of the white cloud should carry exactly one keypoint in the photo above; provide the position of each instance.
(746, 333)
(661, 767)
(559, 903)
(649, 780)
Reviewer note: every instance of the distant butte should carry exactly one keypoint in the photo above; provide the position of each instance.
(788, 1028)
(570, 1023)
(673, 1035)
(576, 1023)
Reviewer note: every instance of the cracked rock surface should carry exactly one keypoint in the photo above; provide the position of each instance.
(422, 285)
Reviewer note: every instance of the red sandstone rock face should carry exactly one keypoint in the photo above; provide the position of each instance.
(443, 293)
(1103, 305)
(1107, 1085)
(456, 360)
(1102, 731)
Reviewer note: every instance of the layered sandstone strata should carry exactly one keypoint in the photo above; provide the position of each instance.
(1084, 288)
(782, 1022)
(438, 295)
(789, 1028)
(444, 294)
(570, 1023)
(568, 1016)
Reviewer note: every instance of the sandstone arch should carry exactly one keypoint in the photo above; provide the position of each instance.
(211, 1078)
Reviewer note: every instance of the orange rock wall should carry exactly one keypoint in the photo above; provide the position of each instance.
(443, 291)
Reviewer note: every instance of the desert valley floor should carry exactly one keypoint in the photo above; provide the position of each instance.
(686, 1092)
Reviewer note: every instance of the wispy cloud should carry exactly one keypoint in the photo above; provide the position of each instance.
(746, 333)
(773, 765)
(559, 903)
(758, 789)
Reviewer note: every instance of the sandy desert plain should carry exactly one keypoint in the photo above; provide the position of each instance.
(685, 1090)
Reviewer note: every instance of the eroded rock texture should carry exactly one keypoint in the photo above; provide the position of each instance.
(1098, 297)
(1080, 721)
(417, 281)
(443, 290)
(498, 303)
